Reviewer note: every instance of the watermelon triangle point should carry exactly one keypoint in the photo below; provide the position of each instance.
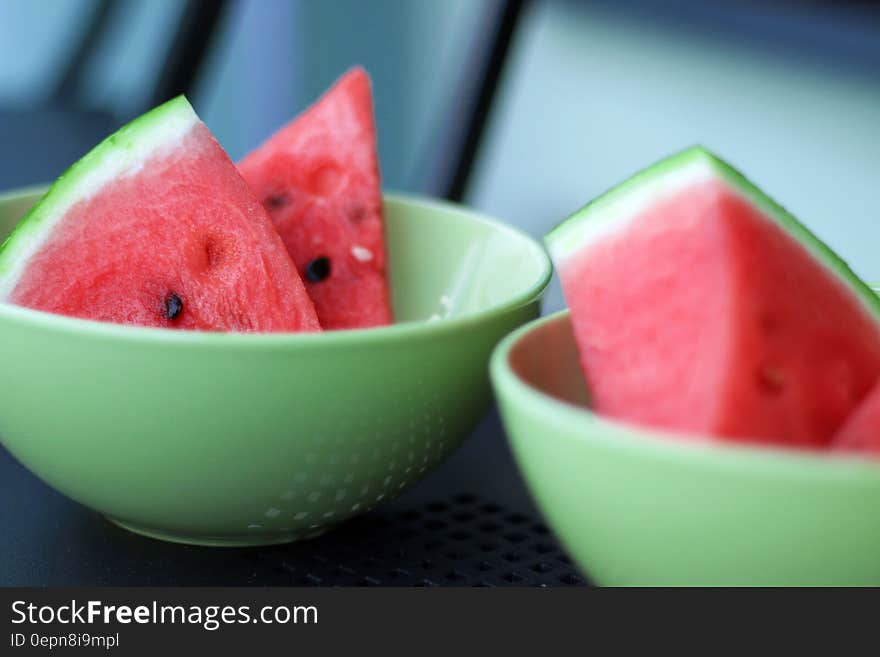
(322, 167)
(352, 89)
(106, 231)
(611, 210)
(121, 152)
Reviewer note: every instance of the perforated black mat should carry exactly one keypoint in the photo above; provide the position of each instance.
(464, 541)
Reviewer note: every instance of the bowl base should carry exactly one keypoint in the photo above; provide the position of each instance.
(235, 540)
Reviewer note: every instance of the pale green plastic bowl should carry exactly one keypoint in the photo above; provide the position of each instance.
(639, 507)
(228, 439)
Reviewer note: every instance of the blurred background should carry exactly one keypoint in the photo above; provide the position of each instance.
(524, 109)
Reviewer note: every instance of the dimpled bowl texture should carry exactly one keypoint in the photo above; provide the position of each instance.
(637, 507)
(233, 439)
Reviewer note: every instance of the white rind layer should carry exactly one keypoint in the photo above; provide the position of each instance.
(615, 210)
(120, 155)
(614, 213)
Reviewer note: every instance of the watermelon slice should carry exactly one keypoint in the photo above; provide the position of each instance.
(156, 227)
(861, 431)
(318, 177)
(700, 305)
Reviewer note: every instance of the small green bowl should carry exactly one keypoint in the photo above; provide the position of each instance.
(639, 507)
(243, 439)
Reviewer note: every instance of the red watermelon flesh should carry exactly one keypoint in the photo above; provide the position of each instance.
(701, 314)
(861, 431)
(174, 239)
(318, 177)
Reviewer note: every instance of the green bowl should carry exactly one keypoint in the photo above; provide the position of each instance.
(241, 439)
(639, 507)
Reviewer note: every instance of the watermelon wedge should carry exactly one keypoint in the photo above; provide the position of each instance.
(701, 306)
(318, 177)
(861, 431)
(155, 227)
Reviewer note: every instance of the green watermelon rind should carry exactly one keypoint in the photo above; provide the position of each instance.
(579, 229)
(117, 155)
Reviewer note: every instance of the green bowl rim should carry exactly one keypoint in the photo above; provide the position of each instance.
(657, 443)
(414, 328)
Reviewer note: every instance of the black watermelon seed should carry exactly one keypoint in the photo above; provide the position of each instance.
(276, 201)
(318, 269)
(173, 306)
